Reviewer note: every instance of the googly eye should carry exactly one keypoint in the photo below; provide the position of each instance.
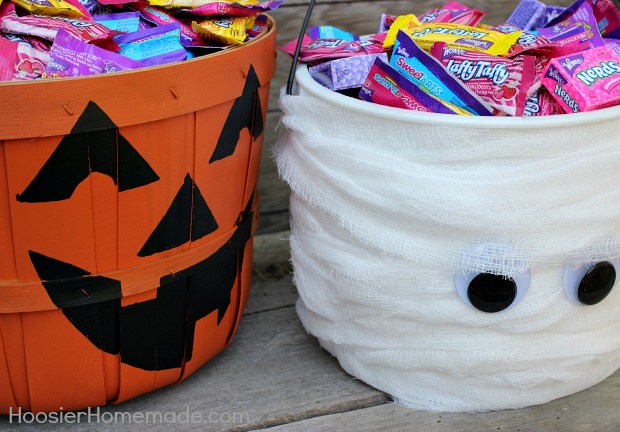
(589, 284)
(491, 293)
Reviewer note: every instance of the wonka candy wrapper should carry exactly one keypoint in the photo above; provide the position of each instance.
(341, 74)
(429, 74)
(585, 81)
(581, 20)
(385, 86)
(70, 57)
(528, 15)
(155, 46)
(453, 12)
(541, 103)
(531, 44)
(605, 12)
(454, 35)
(502, 83)
(20, 61)
(324, 49)
(124, 22)
(189, 38)
(46, 27)
(218, 8)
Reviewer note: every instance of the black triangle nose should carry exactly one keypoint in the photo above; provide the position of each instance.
(491, 293)
(597, 283)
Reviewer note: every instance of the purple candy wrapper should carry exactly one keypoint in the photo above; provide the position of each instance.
(345, 73)
(330, 32)
(70, 57)
(527, 15)
(551, 13)
(154, 46)
(428, 72)
(385, 86)
(582, 16)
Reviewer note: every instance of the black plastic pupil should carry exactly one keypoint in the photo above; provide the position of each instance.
(491, 293)
(596, 283)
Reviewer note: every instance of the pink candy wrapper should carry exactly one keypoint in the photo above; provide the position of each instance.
(385, 86)
(502, 83)
(70, 57)
(21, 61)
(585, 81)
(541, 103)
(233, 9)
(453, 12)
(46, 27)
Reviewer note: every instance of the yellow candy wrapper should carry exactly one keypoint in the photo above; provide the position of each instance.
(455, 36)
(191, 4)
(228, 31)
(59, 8)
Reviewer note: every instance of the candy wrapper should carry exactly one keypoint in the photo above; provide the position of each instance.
(46, 27)
(605, 12)
(218, 8)
(455, 35)
(385, 86)
(581, 21)
(330, 32)
(341, 74)
(453, 12)
(502, 83)
(124, 22)
(432, 77)
(228, 31)
(21, 61)
(531, 44)
(541, 103)
(585, 81)
(155, 46)
(189, 38)
(327, 49)
(62, 8)
(70, 57)
(528, 15)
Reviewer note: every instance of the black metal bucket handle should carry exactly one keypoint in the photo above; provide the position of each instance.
(304, 26)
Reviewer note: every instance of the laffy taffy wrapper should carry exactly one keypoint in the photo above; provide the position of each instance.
(70, 57)
(541, 103)
(228, 31)
(47, 27)
(454, 35)
(385, 86)
(219, 8)
(20, 60)
(453, 12)
(585, 81)
(431, 76)
(502, 83)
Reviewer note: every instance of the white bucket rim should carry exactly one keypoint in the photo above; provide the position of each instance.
(307, 85)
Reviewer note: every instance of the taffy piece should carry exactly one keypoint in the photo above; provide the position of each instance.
(501, 82)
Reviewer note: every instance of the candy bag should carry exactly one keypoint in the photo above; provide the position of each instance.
(20, 61)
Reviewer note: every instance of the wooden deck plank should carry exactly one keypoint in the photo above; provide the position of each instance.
(592, 410)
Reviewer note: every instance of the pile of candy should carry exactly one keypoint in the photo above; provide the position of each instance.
(66, 38)
(543, 60)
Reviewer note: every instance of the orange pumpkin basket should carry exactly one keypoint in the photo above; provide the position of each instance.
(128, 206)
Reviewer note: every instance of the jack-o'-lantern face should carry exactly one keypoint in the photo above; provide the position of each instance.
(140, 239)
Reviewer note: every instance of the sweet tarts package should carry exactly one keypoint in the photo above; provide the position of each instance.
(541, 60)
(118, 34)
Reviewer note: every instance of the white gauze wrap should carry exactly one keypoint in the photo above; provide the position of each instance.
(387, 206)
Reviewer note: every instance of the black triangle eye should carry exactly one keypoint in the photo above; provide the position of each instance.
(589, 284)
(490, 293)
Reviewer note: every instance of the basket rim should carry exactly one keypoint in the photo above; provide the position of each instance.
(307, 85)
